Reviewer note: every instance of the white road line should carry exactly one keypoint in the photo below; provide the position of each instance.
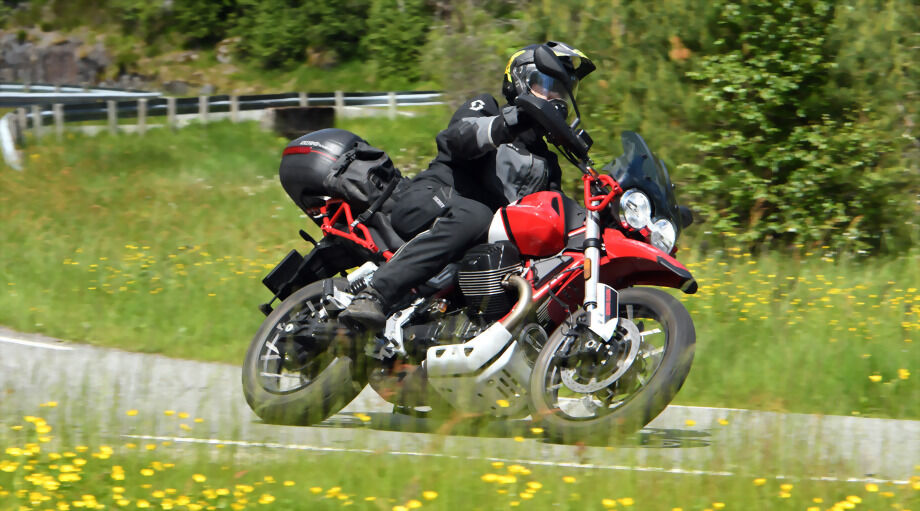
(34, 344)
(680, 471)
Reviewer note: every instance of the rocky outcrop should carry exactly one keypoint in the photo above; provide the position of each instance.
(49, 59)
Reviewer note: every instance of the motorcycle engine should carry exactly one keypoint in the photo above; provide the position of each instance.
(452, 328)
(480, 276)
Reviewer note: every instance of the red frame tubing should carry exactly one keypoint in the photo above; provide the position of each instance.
(364, 241)
(605, 199)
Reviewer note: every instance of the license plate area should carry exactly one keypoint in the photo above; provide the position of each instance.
(282, 273)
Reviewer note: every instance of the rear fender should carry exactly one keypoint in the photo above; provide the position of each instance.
(634, 263)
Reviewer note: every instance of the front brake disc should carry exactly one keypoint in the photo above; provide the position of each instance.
(632, 337)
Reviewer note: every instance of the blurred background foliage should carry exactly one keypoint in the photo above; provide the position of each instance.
(787, 125)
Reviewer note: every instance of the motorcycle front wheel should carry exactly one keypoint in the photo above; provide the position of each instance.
(286, 378)
(618, 389)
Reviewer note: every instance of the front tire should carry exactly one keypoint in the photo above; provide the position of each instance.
(285, 386)
(571, 408)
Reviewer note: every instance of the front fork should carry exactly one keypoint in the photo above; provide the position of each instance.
(600, 299)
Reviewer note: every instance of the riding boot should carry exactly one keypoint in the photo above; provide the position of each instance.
(366, 310)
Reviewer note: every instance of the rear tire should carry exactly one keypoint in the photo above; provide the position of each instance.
(638, 408)
(327, 392)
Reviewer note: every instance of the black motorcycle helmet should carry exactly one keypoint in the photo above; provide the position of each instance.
(522, 75)
(307, 161)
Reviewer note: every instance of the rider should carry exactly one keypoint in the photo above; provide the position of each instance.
(487, 158)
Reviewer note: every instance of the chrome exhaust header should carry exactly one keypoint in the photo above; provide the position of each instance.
(522, 307)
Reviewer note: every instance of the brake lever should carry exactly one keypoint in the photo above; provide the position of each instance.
(546, 115)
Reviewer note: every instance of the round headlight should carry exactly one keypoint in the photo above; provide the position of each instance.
(664, 235)
(635, 209)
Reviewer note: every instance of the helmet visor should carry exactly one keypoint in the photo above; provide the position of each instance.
(547, 87)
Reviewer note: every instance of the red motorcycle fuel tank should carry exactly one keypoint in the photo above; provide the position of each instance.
(535, 224)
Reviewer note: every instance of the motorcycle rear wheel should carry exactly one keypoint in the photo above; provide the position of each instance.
(625, 405)
(284, 383)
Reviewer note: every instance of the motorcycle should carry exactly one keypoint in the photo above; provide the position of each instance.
(554, 317)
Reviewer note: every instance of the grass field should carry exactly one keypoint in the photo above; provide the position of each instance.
(158, 244)
(46, 466)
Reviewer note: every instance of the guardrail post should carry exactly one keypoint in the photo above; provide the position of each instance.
(339, 103)
(203, 109)
(22, 123)
(391, 99)
(304, 100)
(113, 116)
(58, 120)
(142, 116)
(234, 108)
(171, 112)
(37, 121)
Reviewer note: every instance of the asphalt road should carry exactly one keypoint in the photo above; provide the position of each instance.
(682, 440)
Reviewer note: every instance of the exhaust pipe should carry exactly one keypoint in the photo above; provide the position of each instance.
(522, 307)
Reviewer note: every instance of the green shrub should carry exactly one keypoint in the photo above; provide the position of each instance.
(784, 157)
(395, 35)
(273, 32)
(205, 21)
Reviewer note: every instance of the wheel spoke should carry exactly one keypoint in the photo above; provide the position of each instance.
(282, 350)
(651, 353)
(282, 376)
(650, 332)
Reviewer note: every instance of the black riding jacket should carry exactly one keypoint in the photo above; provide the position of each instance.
(486, 155)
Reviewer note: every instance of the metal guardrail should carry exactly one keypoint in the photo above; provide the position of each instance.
(58, 104)
(16, 95)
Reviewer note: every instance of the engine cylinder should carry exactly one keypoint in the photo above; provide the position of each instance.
(480, 276)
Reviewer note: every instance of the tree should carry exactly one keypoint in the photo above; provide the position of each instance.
(784, 156)
(396, 32)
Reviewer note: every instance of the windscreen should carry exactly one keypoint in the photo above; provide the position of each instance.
(639, 168)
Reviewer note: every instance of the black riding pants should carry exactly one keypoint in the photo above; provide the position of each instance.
(442, 225)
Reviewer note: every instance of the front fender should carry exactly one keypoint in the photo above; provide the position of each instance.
(630, 263)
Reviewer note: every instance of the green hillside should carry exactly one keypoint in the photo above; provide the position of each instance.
(785, 124)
